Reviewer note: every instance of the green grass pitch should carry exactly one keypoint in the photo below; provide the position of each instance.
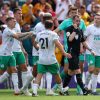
(8, 95)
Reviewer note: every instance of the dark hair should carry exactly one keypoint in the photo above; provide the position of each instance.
(9, 18)
(16, 9)
(48, 24)
(78, 16)
(47, 16)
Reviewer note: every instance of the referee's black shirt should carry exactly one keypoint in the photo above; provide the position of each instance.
(74, 45)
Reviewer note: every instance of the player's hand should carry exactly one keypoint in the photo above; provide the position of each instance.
(68, 55)
(93, 53)
(30, 33)
(75, 26)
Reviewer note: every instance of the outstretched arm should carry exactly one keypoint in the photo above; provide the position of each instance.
(59, 45)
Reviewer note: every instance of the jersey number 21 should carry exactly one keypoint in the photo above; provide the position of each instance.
(44, 43)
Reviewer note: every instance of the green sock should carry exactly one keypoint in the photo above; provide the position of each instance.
(79, 90)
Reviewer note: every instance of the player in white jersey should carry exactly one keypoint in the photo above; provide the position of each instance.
(93, 40)
(7, 59)
(38, 28)
(47, 40)
(19, 52)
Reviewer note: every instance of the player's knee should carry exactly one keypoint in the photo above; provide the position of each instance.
(23, 67)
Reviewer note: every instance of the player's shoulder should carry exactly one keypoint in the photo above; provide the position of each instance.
(91, 26)
(6, 30)
(39, 24)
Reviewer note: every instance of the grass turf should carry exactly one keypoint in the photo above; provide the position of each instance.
(8, 95)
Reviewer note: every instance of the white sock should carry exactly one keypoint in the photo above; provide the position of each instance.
(24, 77)
(88, 77)
(35, 88)
(28, 78)
(4, 77)
(48, 80)
(89, 85)
(94, 82)
(41, 84)
(15, 81)
(60, 86)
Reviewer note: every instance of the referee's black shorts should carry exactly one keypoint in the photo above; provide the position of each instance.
(74, 62)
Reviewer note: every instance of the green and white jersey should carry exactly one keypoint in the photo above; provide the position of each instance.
(38, 28)
(93, 38)
(7, 42)
(16, 45)
(46, 40)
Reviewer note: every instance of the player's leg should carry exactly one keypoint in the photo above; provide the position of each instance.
(81, 64)
(3, 67)
(26, 77)
(91, 63)
(13, 70)
(41, 70)
(95, 75)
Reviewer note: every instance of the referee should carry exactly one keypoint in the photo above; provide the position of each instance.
(74, 36)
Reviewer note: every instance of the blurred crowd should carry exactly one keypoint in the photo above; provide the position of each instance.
(60, 10)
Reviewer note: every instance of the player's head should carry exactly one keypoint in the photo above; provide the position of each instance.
(97, 19)
(49, 24)
(18, 14)
(10, 21)
(76, 20)
(73, 11)
(47, 16)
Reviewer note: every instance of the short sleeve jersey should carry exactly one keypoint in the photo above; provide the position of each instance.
(7, 42)
(16, 45)
(38, 28)
(93, 38)
(46, 40)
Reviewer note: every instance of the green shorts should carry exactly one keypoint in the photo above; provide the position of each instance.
(90, 59)
(7, 61)
(35, 60)
(53, 68)
(81, 57)
(97, 61)
(93, 61)
(20, 58)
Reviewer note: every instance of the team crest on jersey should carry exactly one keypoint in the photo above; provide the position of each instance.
(76, 37)
(68, 34)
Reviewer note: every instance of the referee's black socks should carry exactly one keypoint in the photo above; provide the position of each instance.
(66, 80)
(79, 82)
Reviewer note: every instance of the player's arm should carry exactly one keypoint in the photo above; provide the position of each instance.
(22, 36)
(57, 30)
(35, 44)
(59, 45)
(87, 47)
